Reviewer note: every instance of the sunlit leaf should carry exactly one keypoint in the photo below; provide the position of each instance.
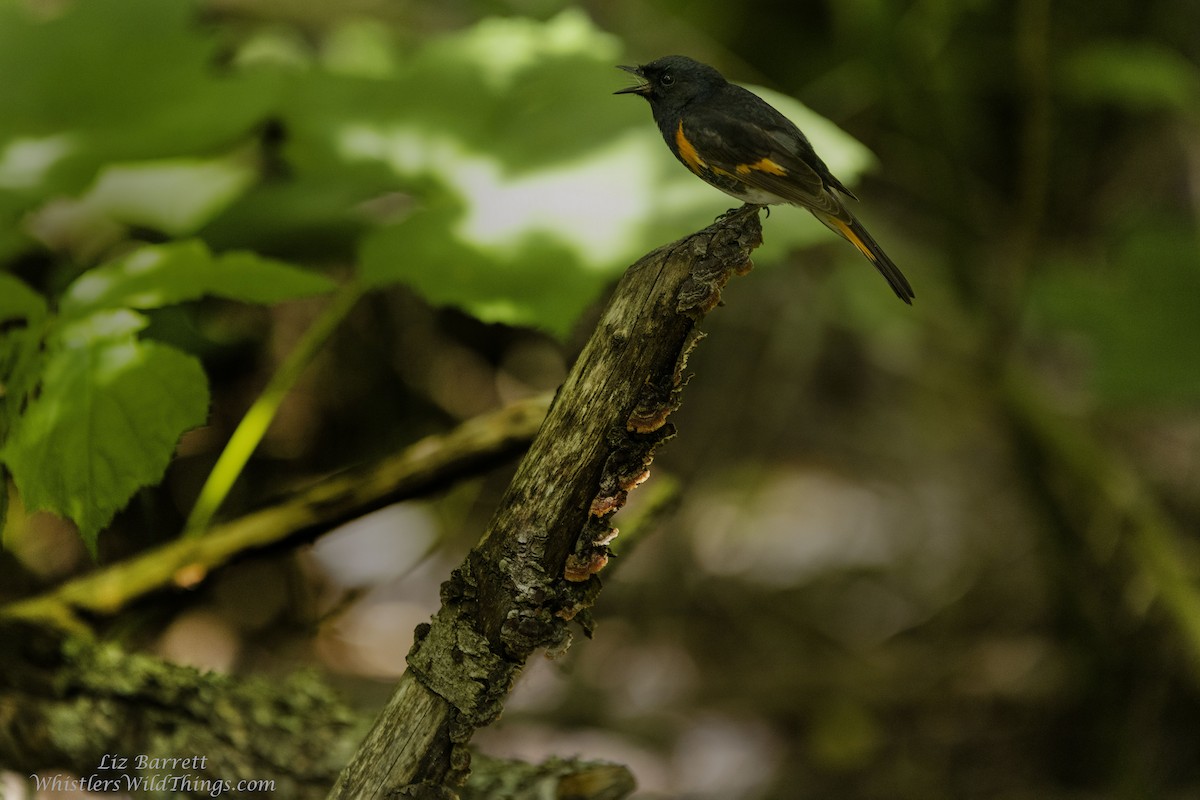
(158, 275)
(529, 287)
(25, 161)
(360, 47)
(107, 324)
(104, 425)
(175, 196)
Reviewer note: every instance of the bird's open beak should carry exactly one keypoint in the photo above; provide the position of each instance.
(642, 85)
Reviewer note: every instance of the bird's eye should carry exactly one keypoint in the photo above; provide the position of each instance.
(667, 79)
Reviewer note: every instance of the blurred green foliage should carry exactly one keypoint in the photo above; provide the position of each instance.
(1134, 321)
(1131, 296)
(490, 169)
(105, 83)
(1136, 76)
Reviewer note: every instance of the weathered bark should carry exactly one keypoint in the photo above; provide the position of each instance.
(72, 706)
(536, 567)
(562, 779)
(66, 702)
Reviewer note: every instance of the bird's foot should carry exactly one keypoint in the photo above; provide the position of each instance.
(748, 208)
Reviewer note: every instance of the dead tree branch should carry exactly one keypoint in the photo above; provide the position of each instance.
(535, 569)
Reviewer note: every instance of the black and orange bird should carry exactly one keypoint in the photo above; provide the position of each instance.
(737, 142)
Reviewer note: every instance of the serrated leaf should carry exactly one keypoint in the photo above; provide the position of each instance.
(161, 275)
(22, 314)
(104, 425)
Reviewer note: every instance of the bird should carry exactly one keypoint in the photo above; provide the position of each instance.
(737, 142)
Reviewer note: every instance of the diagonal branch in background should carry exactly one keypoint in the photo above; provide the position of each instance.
(425, 466)
(535, 568)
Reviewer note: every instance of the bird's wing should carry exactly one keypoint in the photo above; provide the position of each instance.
(764, 150)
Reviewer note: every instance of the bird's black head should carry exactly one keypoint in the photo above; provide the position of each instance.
(671, 82)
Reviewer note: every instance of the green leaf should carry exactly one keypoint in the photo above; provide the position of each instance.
(251, 278)
(22, 317)
(120, 80)
(117, 323)
(104, 425)
(26, 161)
(175, 196)
(532, 285)
(19, 303)
(159, 275)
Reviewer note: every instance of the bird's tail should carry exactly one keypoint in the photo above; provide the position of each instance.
(853, 231)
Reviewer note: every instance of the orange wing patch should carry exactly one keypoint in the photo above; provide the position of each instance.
(844, 229)
(762, 165)
(687, 152)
